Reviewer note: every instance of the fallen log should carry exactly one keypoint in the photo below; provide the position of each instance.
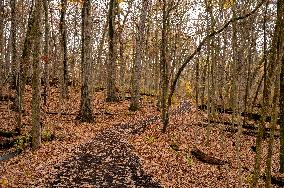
(6, 144)
(250, 132)
(275, 180)
(143, 94)
(7, 98)
(249, 129)
(249, 115)
(203, 157)
(249, 126)
(8, 134)
(63, 113)
(10, 155)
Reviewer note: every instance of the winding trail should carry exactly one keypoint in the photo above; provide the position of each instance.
(107, 161)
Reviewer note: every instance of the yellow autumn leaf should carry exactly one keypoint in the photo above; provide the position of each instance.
(119, 1)
(188, 88)
(3, 182)
(212, 2)
(76, 1)
(174, 100)
(59, 7)
(228, 3)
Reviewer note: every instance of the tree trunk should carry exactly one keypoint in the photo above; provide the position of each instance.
(111, 68)
(137, 64)
(46, 52)
(86, 112)
(23, 69)
(280, 15)
(281, 101)
(157, 67)
(36, 130)
(272, 128)
(234, 96)
(13, 34)
(164, 69)
(2, 70)
(265, 107)
(63, 41)
(101, 74)
(122, 59)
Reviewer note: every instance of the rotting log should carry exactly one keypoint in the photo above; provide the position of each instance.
(250, 132)
(250, 116)
(6, 144)
(7, 98)
(8, 134)
(275, 180)
(63, 113)
(203, 157)
(10, 155)
(250, 129)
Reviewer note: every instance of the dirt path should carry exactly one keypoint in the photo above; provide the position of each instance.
(108, 160)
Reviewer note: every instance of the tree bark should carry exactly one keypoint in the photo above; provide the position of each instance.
(272, 132)
(36, 129)
(259, 137)
(280, 15)
(23, 69)
(137, 64)
(63, 33)
(164, 69)
(111, 68)
(13, 34)
(1, 43)
(281, 101)
(86, 112)
(102, 73)
(46, 52)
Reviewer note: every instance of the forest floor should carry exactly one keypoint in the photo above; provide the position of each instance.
(127, 149)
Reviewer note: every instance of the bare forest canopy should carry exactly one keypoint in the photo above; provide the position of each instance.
(187, 24)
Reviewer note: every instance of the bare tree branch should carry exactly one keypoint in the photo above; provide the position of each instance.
(199, 47)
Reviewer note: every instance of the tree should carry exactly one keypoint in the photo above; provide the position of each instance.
(265, 103)
(194, 53)
(272, 132)
(63, 33)
(111, 65)
(13, 34)
(164, 67)
(46, 52)
(1, 43)
(122, 47)
(36, 130)
(86, 113)
(136, 70)
(280, 47)
(23, 68)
